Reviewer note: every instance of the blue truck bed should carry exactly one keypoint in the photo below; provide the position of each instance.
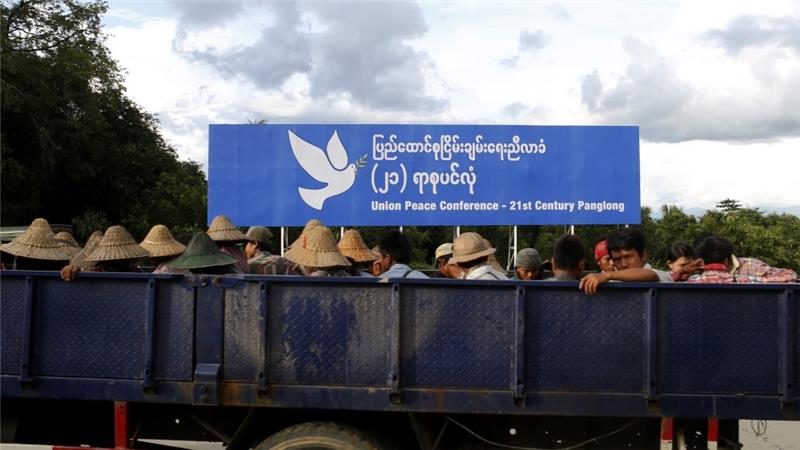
(519, 348)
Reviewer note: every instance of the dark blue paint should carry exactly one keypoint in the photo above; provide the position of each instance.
(150, 335)
(636, 349)
(209, 343)
(27, 331)
(245, 161)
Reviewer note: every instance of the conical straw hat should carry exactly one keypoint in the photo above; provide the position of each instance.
(352, 246)
(66, 237)
(117, 244)
(311, 224)
(223, 230)
(79, 259)
(159, 242)
(317, 248)
(68, 243)
(37, 242)
(201, 252)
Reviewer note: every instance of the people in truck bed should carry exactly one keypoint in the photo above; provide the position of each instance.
(602, 258)
(681, 259)
(162, 247)
(568, 259)
(471, 253)
(68, 243)
(261, 261)
(441, 260)
(227, 236)
(36, 249)
(317, 254)
(356, 251)
(116, 252)
(526, 264)
(628, 251)
(395, 250)
(718, 266)
(202, 256)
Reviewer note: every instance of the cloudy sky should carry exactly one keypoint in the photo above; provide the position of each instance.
(713, 86)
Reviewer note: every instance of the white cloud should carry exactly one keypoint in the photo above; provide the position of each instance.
(701, 173)
(647, 64)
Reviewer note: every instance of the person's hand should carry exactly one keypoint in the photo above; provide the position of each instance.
(591, 282)
(688, 270)
(70, 272)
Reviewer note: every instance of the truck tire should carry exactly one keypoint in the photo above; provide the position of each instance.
(319, 435)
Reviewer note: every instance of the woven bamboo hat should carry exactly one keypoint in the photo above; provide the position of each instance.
(68, 243)
(65, 237)
(117, 244)
(160, 243)
(200, 253)
(79, 259)
(352, 246)
(37, 242)
(469, 247)
(311, 224)
(317, 248)
(223, 230)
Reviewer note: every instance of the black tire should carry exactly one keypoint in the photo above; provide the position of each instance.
(319, 435)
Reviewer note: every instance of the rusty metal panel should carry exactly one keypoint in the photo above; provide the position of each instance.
(12, 316)
(323, 336)
(88, 328)
(241, 332)
(459, 337)
(720, 341)
(174, 332)
(580, 343)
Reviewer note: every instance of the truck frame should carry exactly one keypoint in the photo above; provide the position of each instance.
(260, 360)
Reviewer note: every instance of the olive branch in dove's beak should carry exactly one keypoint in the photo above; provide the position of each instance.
(362, 162)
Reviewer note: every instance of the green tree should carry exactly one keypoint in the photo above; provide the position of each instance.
(72, 142)
(729, 205)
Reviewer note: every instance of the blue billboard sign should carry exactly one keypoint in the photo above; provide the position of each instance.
(361, 175)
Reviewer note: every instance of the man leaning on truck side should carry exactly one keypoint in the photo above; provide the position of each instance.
(628, 250)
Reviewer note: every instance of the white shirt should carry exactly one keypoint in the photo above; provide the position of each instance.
(484, 272)
(663, 277)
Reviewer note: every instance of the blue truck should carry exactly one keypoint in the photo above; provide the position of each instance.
(116, 360)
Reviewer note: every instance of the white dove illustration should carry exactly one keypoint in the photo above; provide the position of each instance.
(331, 169)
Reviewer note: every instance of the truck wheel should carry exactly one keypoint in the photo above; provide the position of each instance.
(319, 435)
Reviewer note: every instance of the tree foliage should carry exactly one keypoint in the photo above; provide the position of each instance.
(772, 238)
(74, 146)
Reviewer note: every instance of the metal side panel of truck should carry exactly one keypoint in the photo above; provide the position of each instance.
(404, 363)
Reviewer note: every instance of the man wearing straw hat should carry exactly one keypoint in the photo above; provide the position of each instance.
(68, 243)
(260, 260)
(36, 248)
(162, 248)
(356, 251)
(317, 254)
(79, 259)
(471, 253)
(202, 256)
(226, 235)
(395, 250)
(116, 252)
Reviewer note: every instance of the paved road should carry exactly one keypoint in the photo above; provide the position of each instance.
(777, 435)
